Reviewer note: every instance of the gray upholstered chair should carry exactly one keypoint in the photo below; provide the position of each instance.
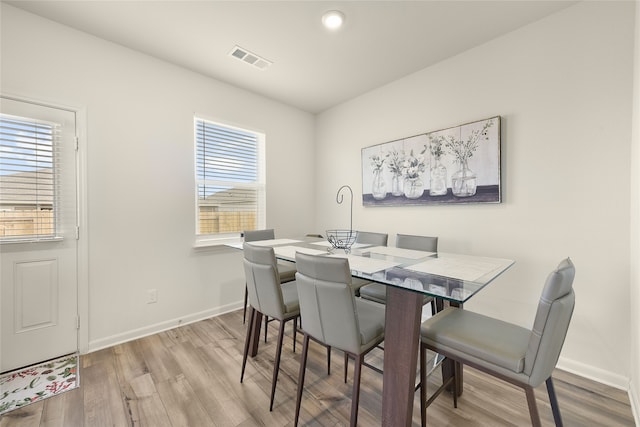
(371, 238)
(332, 315)
(367, 238)
(378, 292)
(286, 270)
(417, 243)
(271, 298)
(512, 353)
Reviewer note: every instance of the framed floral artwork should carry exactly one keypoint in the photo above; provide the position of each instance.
(460, 164)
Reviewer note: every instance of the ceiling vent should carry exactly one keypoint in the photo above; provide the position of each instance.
(250, 58)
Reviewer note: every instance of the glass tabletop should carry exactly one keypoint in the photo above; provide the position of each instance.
(453, 277)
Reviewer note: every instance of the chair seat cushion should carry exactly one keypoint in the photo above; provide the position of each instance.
(378, 292)
(286, 271)
(290, 299)
(374, 292)
(487, 341)
(357, 283)
(371, 321)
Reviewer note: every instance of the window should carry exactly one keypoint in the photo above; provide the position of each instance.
(28, 178)
(230, 188)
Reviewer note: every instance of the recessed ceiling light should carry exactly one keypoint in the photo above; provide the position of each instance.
(333, 19)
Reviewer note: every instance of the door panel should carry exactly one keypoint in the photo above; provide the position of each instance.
(39, 286)
(36, 294)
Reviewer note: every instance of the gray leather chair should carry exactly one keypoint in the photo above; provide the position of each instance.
(286, 270)
(378, 292)
(418, 243)
(271, 298)
(367, 238)
(332, 315)
(512, 353)
(371, 238)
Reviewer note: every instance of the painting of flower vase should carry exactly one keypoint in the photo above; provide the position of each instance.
(456, 165)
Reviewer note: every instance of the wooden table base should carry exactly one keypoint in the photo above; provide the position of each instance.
(401, 343)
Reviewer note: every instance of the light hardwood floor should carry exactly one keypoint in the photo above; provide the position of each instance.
(190, 376)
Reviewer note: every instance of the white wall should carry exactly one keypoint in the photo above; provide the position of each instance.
(634, 300)
(140, 175)
(563, 88)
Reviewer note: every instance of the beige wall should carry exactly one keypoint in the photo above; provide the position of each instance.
(634, 300)
(563, 88)
(139, 136)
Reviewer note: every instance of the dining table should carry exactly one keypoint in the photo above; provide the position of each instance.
(409, 275)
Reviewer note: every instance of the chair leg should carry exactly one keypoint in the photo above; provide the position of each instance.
(346, 366)
(554, 402)
(456, 371)
(355, 396)
(434, 308)
(266, 323)
(246, 342)
(276, 364)
(328, 360)
(295, 332)
(533, 408)
(246, 300)
(423, 385)
(303, 366)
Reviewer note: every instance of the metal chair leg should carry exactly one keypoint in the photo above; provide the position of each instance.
(295, 332)
(533, 407)
(276, 363)
(246, 300)
(423, 385)
(266, 323)
(303, 366)
(355, 396)
(246, 342)
(554, 402)
(346, 366)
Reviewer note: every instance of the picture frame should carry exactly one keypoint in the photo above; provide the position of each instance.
(456, 165)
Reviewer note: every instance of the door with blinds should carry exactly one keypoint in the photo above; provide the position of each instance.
(38, 233)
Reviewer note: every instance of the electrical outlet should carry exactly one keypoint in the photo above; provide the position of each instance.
(152, 296)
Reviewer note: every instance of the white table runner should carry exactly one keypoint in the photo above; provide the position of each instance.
(366, 265)
(463, 268)
(399, 252)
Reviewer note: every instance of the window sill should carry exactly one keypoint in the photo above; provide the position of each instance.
(23, 240)
(220, 241)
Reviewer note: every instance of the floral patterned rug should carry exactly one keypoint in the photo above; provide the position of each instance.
(28, 385)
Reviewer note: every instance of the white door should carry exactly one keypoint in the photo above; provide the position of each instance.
(38, 233)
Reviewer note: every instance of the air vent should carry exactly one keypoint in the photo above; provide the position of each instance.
(250, 58)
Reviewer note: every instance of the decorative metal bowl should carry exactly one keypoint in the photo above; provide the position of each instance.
(342, 239)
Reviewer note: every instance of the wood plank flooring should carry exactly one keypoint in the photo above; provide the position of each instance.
(190, 376)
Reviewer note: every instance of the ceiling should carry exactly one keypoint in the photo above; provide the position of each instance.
(313, 69)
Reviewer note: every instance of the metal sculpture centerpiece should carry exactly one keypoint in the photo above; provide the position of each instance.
(343, 239)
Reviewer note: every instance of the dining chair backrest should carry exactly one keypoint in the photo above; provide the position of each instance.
(263, 280)
(418, 243)
(255, 235)
(551, 323)
(370, 238)
(327, 303)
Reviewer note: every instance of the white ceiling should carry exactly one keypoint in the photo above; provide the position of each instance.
(313, 69)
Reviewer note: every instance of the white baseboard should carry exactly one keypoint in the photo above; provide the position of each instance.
(605, 377)
(596, 374)
(160, 327)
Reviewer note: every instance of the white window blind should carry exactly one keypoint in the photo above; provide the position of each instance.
(28, 178)
(229, 179)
